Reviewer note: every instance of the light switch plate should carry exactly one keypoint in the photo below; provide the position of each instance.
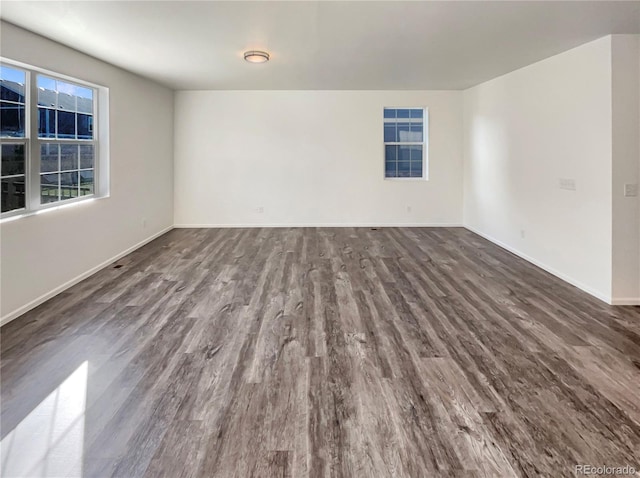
(630, 190)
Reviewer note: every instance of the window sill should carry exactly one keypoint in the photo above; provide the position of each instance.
(55, 207)
(407, 179)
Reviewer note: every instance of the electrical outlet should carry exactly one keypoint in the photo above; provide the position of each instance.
(408, 208)
(144, 223)
(260, 210)
(630, 190)
(522, 233)
(567, 184)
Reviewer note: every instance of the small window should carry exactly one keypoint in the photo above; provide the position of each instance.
(405, 142)
(54, 158)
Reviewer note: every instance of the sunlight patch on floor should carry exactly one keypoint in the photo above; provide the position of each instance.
(49, 441)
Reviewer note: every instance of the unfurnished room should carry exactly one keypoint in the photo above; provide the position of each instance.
(304, 239)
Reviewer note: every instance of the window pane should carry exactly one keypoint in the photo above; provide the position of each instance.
(46, 123)
(390, 169)
(389, 132)
(67, 89)
(85, 104)
(66, 102)
(49, 188)
(12, 92)
(69, 185)
(416, 132)
(85, 126)
(49, 158)
(73, 105)
(417, 113)
(86, 156)
(12, 120)
(73, 97)
(403, 113)
(416, 169)
(389, 113)
(403, 132)
(12, 193)
(46, 83)
(86, 182)
(416, 153)
(66, 124)
(390, 153)
(46, 91)
(404, 153)
(12, 83)
(68, 157)
(403, 169)
(12, 159)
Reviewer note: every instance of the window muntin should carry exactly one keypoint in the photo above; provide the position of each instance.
(57, 161)
(404, 142)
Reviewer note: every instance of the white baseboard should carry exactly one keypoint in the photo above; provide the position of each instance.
(550, 270)
(45, 297)
(626, 301)
(330, 224)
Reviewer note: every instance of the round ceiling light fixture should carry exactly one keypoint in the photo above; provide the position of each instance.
(256, 56)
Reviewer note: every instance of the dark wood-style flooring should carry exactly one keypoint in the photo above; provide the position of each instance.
(408, 352)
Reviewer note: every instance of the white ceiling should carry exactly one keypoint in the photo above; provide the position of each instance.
(323, 44)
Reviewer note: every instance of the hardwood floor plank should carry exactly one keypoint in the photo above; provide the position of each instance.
(322, 352)
(180, 446)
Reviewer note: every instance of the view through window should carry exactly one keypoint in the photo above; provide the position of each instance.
(404, 142)
(62, 147)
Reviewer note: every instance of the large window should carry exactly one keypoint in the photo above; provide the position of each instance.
(48, 131)
(405, 143)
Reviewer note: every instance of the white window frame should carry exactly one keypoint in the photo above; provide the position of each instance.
(32, 142)
(424, 144)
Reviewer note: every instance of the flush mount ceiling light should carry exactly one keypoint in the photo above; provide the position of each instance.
(255, 56)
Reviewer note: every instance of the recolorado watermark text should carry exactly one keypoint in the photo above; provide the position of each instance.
(593, 470)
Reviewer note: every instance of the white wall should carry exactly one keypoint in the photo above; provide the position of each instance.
(316, 158)
(309, 158)
(43, 252)
(523, 132)
(626, 163)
